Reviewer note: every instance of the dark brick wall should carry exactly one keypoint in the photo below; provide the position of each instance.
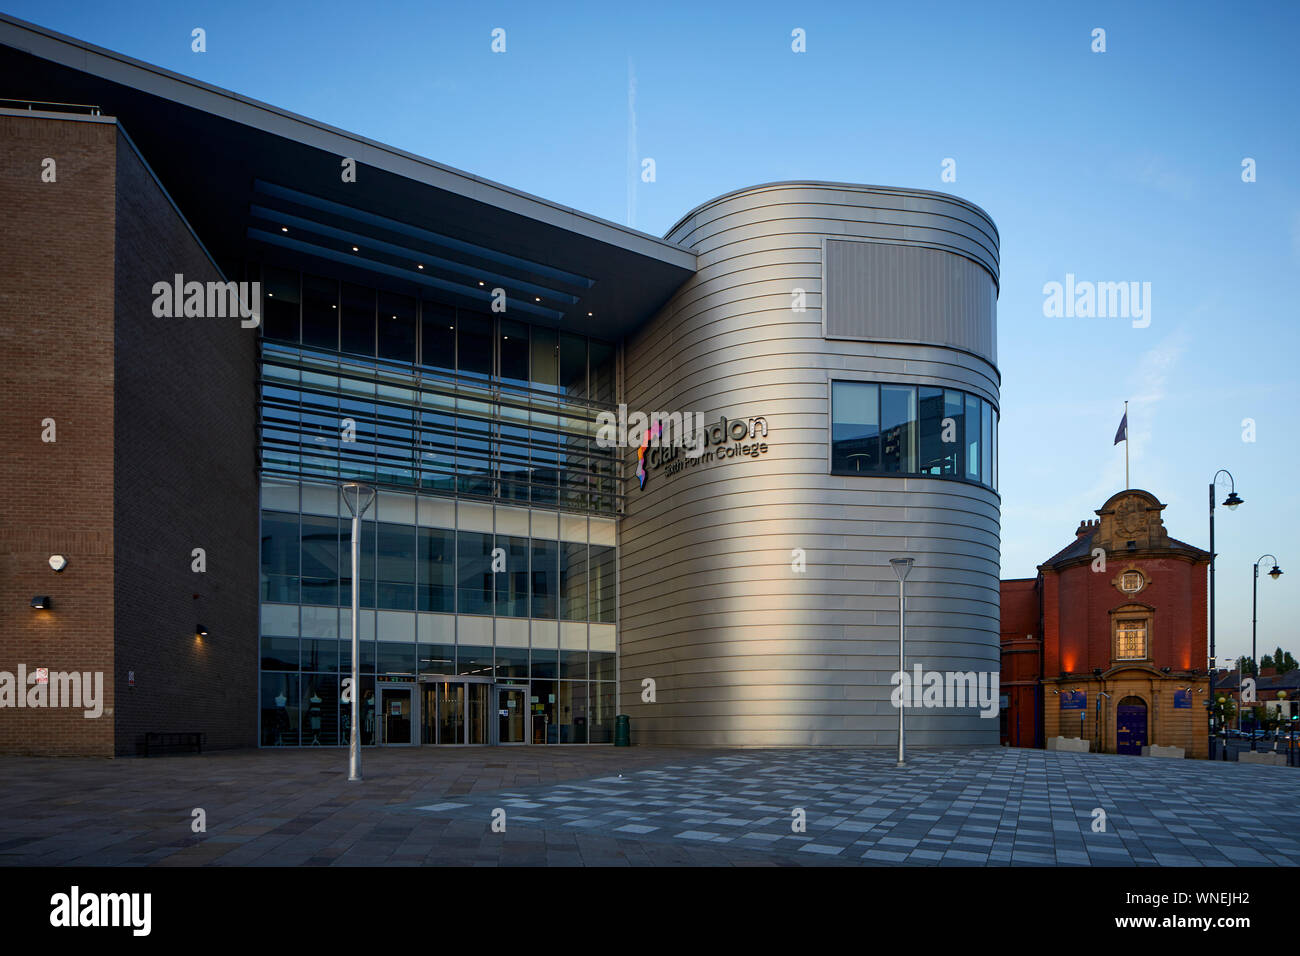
(185, 478)
(56, 361)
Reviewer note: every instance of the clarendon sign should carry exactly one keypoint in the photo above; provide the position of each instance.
(727, 440)
(676, 441)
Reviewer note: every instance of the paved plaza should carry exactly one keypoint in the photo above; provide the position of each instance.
(603, 806)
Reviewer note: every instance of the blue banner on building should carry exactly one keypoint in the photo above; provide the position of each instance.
(1182, 700)
(1074, 699)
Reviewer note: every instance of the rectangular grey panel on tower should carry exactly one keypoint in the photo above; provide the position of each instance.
(884, 292)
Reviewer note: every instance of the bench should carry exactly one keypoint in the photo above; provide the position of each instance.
(188, 740)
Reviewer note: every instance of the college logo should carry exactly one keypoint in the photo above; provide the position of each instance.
(651, 434)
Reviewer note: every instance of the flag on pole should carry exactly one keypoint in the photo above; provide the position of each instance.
(1121, 435)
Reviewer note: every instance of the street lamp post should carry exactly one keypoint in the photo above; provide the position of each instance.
(1231, 503)
(358, 498)
(901, 568)
(1254, 619)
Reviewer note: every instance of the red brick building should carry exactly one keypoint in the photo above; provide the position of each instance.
(1108, 642)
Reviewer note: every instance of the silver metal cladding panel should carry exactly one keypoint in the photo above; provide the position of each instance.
(887, 292)
(744, 649)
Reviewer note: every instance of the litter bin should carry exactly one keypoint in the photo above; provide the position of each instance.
(622, 731)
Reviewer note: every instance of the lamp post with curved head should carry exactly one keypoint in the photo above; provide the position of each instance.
(1254, 619)
(901, 568)
(1231, 502)
(358, 498)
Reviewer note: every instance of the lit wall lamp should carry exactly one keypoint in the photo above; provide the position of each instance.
(200, 630)
(58, 562)
(41, 602)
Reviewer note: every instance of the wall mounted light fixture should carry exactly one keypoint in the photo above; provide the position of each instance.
(201, 630)
(41, 602)
(58, 562)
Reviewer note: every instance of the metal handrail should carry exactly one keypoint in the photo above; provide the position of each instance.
(68, 107)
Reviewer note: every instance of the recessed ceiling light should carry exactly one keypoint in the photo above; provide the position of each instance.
(588, 313)
(537, 298)
(480, 283)
(284, 228)
(354, 248)
(421, 266)
(270, 295)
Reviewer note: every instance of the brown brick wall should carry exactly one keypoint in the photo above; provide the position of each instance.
(185, 478)
(56, 361)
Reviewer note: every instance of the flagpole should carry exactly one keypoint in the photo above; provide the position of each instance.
(1126, 444)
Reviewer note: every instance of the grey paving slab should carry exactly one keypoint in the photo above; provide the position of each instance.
(602, 806)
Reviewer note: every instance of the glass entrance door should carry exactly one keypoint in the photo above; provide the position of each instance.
(451, 713)
(477, 726)
(512, 715)
(457, 711)
(397, 707)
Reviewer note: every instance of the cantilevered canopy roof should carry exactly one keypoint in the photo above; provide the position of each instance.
(259, 182)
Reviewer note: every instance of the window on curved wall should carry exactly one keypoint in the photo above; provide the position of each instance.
(972, 438)
(898, 428)
(952, 432)
(994, 483)
(933, 453)
(986, 443)
(855, 428)
(888, 429)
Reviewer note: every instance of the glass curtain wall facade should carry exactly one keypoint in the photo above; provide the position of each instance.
(489, 555)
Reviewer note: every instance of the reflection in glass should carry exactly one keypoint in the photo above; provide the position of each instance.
(924, 430)
(396, 566)
(474, 572)
(512, 583)
(603, 587)
(973, 437)
(573, 581)
(855, 428)
(436, 569)
(898, 428)
(545, 578)
(320, 559)
(279, 557)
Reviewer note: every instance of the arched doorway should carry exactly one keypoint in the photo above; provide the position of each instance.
(1131, 726)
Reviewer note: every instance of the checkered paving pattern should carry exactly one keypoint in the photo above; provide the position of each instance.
(970, 807)
(647, 806)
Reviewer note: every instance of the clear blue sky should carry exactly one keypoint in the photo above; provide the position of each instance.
(1115, 166)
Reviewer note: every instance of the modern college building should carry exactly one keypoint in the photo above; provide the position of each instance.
(458, 345)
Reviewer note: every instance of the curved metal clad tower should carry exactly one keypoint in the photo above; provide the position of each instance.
(898, 286)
